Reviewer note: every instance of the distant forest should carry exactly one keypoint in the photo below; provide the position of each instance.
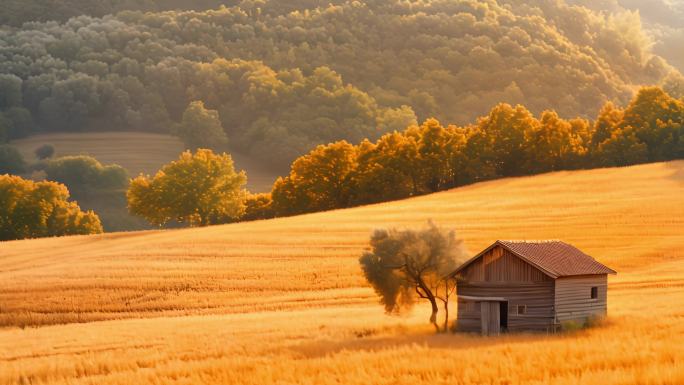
(283, 77)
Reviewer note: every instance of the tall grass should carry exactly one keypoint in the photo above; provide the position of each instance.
(283, 301)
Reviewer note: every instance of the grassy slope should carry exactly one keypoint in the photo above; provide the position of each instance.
(231, 284)
(137, 152)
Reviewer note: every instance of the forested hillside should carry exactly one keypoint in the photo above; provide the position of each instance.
(282, 82)
(663, 21)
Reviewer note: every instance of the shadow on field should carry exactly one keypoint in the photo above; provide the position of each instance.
(451, 341)
(678, 170)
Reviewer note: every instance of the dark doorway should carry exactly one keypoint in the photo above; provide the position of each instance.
(503, 316)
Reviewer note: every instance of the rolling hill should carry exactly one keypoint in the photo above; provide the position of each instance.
(137, 152)
(283, 301)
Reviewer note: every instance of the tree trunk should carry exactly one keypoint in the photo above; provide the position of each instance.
(435, 309)
(446, 315)
(433, 302)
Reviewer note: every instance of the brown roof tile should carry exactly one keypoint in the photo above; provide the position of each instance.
(555, 258)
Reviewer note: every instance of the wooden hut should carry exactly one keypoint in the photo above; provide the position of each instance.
(529, 286)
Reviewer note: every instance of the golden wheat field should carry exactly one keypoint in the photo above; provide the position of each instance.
(284, 302)
(137, 152)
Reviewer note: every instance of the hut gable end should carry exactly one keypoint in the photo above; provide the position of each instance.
(500, 265)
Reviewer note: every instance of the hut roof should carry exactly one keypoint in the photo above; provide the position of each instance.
(554, 258)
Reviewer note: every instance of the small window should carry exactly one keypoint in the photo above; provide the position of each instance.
(594, 292)
(521, 309)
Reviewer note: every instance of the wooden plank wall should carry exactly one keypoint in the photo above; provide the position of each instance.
(537, 296)
(499, 273)
(500, 265)
(573, 297)
(468, 318)
(490, 318)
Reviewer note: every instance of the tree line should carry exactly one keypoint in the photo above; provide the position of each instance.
(509, 141)
(281, 78)
(203, 188)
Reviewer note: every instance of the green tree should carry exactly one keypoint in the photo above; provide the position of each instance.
(45, 151)
(83, 173)
(41, 209)
(198, 189)
(10, 91)
(201, 127)
(20, 122)
(407, 264)
(11, 160)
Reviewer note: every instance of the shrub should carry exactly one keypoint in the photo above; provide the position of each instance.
(258, 206)
(571, 326)
(591, 322)
(84, 173)
(45, 151)
(11, 161)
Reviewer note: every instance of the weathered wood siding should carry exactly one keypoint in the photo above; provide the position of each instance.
(499, 273)
(536, 296)
(500, 265)
(468, 316)
(573, 297)
(490, 318)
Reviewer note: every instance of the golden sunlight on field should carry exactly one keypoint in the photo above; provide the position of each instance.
(137, 152)
(283, 301)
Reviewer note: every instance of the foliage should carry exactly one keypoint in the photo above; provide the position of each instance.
(407, 264)
(40, 209)
(201, 127)
(45, 151)
(508, 141)
(258, 206)
(317, 181)
(198, 189)
(274, 71)
(591, 322)
(11, 160)
(82, 173)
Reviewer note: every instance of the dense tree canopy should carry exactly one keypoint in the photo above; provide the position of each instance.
(509, 141)
(83, 173)
(11, 161)
(201, 127)
(198, 189)
(40, 209)
(284, 78)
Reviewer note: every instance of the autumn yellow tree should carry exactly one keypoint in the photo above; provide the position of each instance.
(504, 137)
(31, 209)
(657, 120)
(258, 206)
(553, 144)
(318, 180)
(198, 189)
(606, 122)
(433, 154)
